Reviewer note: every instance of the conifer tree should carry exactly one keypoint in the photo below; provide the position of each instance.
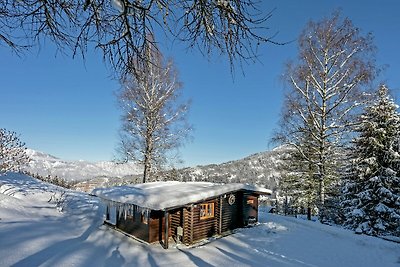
(298, 178)
(326, 88)
(371, 200)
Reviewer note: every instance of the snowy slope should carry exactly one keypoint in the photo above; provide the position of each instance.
(261, 168)
(44, 164)
(34, 233)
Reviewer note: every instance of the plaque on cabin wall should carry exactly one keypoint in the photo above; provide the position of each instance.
(231, 199)
(179, 231)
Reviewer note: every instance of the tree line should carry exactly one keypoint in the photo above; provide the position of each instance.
(59, 181)
(344, 131)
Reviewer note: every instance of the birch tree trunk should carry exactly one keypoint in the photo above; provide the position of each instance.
(326, 89)
(154, 121)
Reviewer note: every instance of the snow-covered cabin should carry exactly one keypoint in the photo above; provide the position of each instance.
(185, 211)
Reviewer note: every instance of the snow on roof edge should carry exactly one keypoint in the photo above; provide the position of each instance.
(171, 194)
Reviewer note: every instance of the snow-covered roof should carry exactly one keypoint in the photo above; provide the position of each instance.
(165, 195)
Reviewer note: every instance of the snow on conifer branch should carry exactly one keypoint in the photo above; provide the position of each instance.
(371, 192)
(326, 88)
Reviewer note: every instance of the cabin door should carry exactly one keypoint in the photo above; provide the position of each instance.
(250, 209)
(176, 217)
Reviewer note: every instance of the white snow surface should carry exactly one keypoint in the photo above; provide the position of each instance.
(164, 195)
(34, 233)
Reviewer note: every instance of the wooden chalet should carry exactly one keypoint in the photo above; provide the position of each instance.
(184, 211)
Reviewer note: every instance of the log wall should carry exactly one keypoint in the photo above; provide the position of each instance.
(231, 213)
(187, 226)
(157, 226)
(203, 228)
(133, 226)
(176, 221)
(228, 215)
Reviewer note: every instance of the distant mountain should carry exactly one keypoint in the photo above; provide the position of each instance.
(45, 164)
(261, 168)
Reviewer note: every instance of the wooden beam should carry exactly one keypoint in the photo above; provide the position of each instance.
(166, 237)
(108, 212)
(191, 223)
(117, 217)
(220, 214)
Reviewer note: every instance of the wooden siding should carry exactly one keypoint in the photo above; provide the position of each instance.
(157, 226)
(187, 226)
(176, 221)
(231, 213)
(228, 215)
(195, 229)
(133, 226)
(203, 228)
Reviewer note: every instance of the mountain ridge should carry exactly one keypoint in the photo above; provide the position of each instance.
(260, 168)
(45, 164)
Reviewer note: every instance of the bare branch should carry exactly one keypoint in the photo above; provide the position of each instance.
(120, 28)
(12, 152)
(154, 121)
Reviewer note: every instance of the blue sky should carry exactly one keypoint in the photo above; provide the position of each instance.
(67, 107)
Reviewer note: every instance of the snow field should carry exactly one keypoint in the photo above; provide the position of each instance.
(33, 232)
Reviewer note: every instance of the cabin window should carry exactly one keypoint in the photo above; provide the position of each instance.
(206, 211)
(131, 212)
(111, 214)
(145, 216)
(250, 201)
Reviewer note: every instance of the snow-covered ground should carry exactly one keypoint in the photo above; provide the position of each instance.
(33, 232)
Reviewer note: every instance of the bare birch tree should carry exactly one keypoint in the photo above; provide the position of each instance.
(154, 118)
(327, 85)
(120, 27)
(12, 152)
